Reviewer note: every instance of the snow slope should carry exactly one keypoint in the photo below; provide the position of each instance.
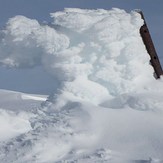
(108, 105)
(15, 111)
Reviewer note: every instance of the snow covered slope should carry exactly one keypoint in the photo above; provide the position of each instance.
(15, 111)
(108, 106)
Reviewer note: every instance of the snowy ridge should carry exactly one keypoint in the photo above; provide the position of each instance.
(108, 106)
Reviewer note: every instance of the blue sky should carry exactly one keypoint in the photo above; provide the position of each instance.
(23, 80)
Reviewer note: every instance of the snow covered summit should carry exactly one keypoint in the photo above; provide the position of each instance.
(107, 107)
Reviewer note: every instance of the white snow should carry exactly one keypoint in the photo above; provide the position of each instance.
(107, 106)
(12, 125)
(16, 109)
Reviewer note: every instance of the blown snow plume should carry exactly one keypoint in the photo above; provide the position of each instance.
(102, 47)
(103, 69)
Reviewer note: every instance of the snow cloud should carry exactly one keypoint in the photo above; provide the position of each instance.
(102, 46)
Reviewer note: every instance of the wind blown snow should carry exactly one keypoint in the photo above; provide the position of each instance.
(108, 106)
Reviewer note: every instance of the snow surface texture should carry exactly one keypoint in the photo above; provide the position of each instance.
(108, 106)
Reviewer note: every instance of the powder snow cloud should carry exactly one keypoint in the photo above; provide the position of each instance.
(104, 47)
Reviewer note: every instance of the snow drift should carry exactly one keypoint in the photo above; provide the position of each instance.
(106, 108)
